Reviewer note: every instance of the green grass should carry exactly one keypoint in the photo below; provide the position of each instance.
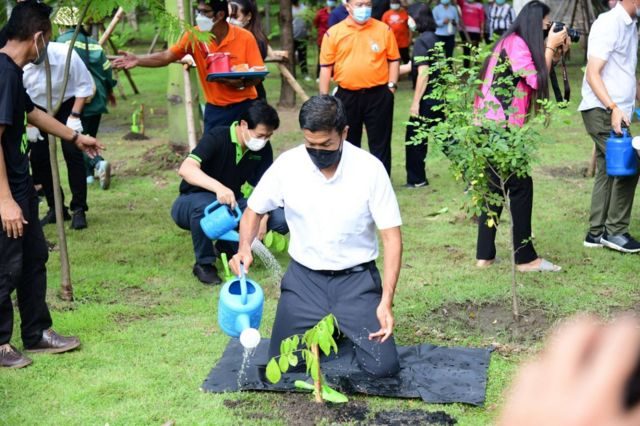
(149, 329)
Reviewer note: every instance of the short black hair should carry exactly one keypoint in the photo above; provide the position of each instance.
(217, 6)
(27, 18)
(323, 113)
(261, 112)
(425, 21)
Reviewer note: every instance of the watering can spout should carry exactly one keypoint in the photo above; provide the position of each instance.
(242, 323)
(232, 236)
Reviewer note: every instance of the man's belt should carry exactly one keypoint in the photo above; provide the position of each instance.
(358, 268)
(366, 89)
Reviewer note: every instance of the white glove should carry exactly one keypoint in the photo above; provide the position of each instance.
(33, 134)
(75, 124)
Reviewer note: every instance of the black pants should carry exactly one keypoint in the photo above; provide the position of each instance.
(374, 108)
(449, 44)
(521, 197)
(215, 116)
(23, 268)
(300, 51)
(405, 57)
(416, 154)
(188, 209)
(91, 125)
(41, 166)
(475, 39)
(308, 296)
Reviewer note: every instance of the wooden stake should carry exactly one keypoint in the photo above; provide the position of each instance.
(284, 71)
(188, 94)
(112, 26)
(317, 383)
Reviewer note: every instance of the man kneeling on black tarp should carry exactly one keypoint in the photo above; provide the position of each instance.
(334, 196)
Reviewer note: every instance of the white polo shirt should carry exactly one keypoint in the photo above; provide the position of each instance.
(332, 222)
(80, 83)
(614, 38)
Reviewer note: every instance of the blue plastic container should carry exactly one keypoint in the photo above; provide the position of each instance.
(621, 158)
(220, 221)
(240, 306)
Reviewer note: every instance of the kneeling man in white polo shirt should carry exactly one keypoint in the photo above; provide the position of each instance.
(334, 196)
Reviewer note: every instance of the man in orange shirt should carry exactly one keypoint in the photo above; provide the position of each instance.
(397, 19)
(226, 99)
(362, 54)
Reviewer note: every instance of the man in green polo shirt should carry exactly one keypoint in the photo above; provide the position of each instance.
(216, 169)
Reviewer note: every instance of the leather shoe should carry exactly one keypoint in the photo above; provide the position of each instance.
(10, 357)
(53, 343)
(206, 274)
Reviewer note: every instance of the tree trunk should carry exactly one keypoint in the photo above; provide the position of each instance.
(132, 17)
(267, 16)
(285, 18)
(515, 305)
(178, 129)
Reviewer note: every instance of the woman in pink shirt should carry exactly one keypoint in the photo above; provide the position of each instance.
(473, 25)
(523, 45)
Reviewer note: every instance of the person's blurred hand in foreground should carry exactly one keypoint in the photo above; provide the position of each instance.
(580, 379)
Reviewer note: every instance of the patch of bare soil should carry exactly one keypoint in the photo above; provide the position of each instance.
(158, 158)
(495, 320)
(574, 171)
(135, 137)
(298, 409)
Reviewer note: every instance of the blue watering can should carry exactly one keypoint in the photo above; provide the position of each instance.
(240, 309)
(620, 156)
(220, 221)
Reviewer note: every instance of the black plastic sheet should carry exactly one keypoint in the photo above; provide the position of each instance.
(432, 373)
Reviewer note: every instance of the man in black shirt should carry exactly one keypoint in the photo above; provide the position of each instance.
(23, 250)
(216, 169)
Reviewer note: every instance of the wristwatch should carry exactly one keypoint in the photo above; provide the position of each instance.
(611, 107)
(75, 137)
(392, 85)
(76, 114)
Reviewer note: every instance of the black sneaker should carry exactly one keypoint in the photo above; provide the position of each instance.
(417, 185)
(206, 274)
(624, 243)
(593, 241)
(79, 220)
(50, 217)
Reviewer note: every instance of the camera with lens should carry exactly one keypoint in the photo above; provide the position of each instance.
(574, 34)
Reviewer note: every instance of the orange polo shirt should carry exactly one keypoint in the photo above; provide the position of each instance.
(243, 49)
(359, 54)
(398, 20)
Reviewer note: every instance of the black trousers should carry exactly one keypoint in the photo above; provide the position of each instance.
(521, 197)
(41, 166)
(91, 125)
(416, 154)
(449, 44)
(23, 268)
(405, 57)
(307, 296)
(466, 49)
(188, 209)
(300, 51)
(374, 108)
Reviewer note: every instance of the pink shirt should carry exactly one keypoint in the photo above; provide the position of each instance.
(521, 63)
(472, 15)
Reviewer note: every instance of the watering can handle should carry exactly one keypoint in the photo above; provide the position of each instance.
(238, 212)
(211, 207)
(243, 285)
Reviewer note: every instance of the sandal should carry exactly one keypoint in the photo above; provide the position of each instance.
(544, 266)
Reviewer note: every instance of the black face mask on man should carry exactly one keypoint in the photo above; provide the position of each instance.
(324, 158)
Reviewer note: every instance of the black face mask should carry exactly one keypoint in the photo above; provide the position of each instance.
(323, 158)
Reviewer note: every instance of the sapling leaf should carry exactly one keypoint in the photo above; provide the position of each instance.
(283, 363)
(314, 369)
(273, 371)
(325, 345)
(293, 360)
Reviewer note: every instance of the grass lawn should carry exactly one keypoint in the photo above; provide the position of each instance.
(149, 330)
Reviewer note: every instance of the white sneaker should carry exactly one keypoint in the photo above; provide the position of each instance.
(90, 180)
(104, 173)
(307, 78)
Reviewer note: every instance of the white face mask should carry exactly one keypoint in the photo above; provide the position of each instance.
(204, 23)
(254, 144)
(395, 6)
(237, 22)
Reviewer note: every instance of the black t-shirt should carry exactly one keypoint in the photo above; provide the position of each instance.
(220, 157)
(422, 51)
(15, 104)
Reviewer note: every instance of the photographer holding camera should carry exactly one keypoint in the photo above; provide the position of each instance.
(609, 89)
